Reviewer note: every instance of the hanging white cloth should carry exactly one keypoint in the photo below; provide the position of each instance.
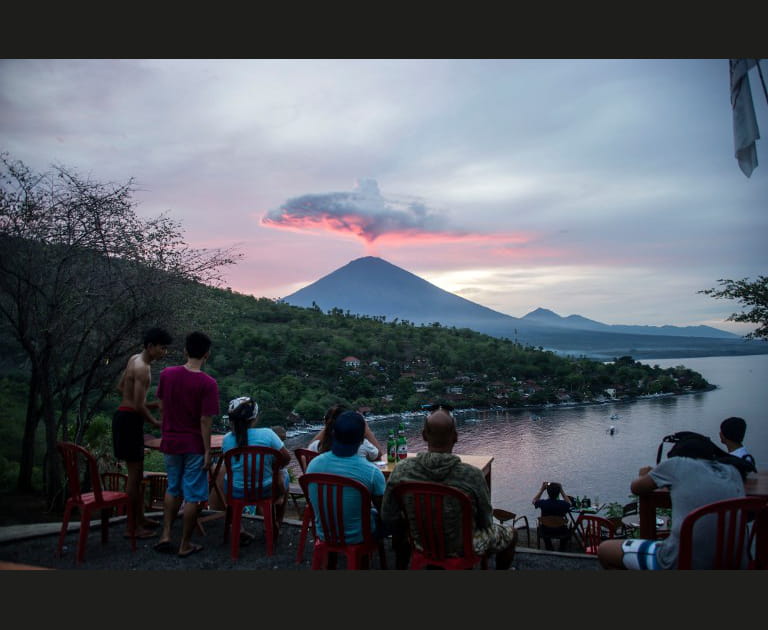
(745, 131)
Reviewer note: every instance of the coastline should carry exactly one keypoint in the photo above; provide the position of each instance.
(564, 405)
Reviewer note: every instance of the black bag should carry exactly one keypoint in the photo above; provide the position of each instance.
(701, 447)
(674, 438)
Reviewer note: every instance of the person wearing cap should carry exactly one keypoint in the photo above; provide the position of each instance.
(347, 432)
(732, 432)
(697, 472)
(243, 418)
(440, 465)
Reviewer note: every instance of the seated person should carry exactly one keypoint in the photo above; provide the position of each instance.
(732, 432)
(347, 432)
(370, 448)
(553, 521)
(697, 473)
(243, 418)
(440, 465)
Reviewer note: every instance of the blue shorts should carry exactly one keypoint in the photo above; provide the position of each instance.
(640, 554)
(186, 477)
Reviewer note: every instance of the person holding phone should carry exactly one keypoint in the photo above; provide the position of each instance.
(553, 521)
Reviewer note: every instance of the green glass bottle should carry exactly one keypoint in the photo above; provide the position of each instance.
(402, 444)
(391, 446)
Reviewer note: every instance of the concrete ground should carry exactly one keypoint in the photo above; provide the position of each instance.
(35, 545)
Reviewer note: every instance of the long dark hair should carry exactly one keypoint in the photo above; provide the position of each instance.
(240, 420)
(327, 441)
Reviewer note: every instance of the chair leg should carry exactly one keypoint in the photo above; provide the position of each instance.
(227, 522)
(237, 513)
(64, 524)
(85, 525)
(319, 558)
(305, 525)
(105, 514)
(269, 527)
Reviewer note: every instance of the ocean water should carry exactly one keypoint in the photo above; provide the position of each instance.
(573, 445)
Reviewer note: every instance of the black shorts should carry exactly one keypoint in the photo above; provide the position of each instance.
(128, 436)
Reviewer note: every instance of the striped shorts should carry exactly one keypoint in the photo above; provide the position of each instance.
(640, 554)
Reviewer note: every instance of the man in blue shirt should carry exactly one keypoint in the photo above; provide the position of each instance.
(348, 431)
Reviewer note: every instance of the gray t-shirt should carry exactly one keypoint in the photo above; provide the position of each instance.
(693, 483)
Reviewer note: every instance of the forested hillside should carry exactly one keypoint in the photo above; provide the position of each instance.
(292, 360)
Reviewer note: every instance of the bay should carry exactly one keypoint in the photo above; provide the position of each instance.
(573, 445)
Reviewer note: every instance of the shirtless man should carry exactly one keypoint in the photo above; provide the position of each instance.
(128, 422)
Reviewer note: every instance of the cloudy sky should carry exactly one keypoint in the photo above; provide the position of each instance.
(604, 188)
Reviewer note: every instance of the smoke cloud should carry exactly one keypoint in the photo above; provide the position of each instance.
(363, 212)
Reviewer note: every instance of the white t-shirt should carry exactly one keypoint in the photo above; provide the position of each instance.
(367, 450)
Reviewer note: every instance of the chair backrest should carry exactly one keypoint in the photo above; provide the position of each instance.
(115, 481)
(593, 530)
(326, 494)
(252, 462)
(73, 456)
(424, 505)
(731, 528)
(552, 520)
(304, 456)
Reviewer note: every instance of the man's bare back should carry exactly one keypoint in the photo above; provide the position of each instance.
(134, 386)
(127, 433)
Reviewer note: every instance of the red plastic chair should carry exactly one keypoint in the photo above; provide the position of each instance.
(593, 529)
(740, 540)
(423, 504)
(105, 500)
(328, 511)
(254, 460)
(304, 456)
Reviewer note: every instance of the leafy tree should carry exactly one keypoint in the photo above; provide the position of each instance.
(81, 276)
(750, 294)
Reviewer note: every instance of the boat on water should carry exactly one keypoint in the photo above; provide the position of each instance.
(614, 416)
(535, 417)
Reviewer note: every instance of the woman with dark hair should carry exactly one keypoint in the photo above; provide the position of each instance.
(243, 418)
(370, 448)
(697, 472)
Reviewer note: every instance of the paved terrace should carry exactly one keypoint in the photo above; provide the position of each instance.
(35, 545)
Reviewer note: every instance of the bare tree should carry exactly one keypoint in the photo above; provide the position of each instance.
(81, 276)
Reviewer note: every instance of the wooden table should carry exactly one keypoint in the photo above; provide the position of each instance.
(632, 521)
(483, 462)
(756, 485)
(153, 442)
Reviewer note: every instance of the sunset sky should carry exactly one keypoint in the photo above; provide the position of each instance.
(605, 188)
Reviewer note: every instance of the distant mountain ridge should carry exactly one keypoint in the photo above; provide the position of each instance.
(577, 322)
(374, 287)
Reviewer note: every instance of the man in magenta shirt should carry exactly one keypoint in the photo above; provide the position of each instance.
(189, 398)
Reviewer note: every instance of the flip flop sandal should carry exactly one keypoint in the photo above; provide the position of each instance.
(193, 548)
